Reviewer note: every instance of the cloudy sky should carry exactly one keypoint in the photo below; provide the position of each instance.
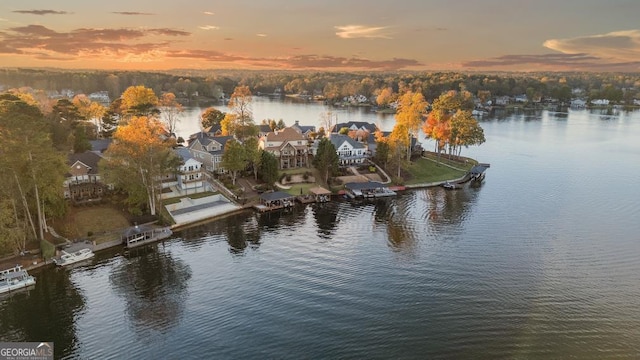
(528, 35)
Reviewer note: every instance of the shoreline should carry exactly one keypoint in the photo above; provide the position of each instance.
(39, 263)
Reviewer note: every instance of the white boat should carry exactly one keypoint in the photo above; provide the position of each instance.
(74, 257)
(14, 279)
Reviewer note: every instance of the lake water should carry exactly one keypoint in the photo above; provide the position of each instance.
(541, 261)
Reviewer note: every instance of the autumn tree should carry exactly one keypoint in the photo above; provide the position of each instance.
(412, 108)
(465, 131)
(32, 172)
(89, 110)
(399, 144)
(234, 158)
(136, 161)
(139, 101)
(439, 125)
(171, 111)
(326, 159)
(211, 117)
(239, 122)
(386, 96)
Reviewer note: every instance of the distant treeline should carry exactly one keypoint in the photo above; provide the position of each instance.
(191, 85)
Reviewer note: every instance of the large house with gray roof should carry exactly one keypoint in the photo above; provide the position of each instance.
(208, 150)
(350, 152)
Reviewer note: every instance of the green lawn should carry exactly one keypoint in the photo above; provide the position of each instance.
(176, 200)
(427, 171)
(295, 188)
(464, 163)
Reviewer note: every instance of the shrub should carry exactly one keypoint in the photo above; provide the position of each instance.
(306, 175)
(397, 180)
(372, 169)
(89, 233)
(47, 249)
(288, 177)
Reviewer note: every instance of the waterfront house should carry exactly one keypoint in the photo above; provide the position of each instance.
(355, 125)
(288, 146)
(502, 100)
(350, 152)
(303, 129)
(83, 182)
(208, 150)
(190, 177)
(578, 103)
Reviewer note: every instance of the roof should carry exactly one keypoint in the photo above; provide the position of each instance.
(100, 145)
(183, 153)
(286, 134)
(369, 185)
(263, 128)
(479, 169)
(303, 128)
(276, 195)
(134, 230)
(359, 124)
(319, 191)
(88, 158)
(337, 140)
(205, 140)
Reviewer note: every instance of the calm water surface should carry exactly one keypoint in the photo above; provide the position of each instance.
(541, 261)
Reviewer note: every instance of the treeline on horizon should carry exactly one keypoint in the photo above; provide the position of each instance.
(197, 85)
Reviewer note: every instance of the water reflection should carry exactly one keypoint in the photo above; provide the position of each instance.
(447, 207)
(326, 216)
(395, 217)
(241, 231)
(154, 286)
(46, 313)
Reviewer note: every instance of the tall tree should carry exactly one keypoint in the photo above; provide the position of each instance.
(268, 168)
(171, 111)
(137, 159)
(239, 122)
(412, 108)
(211, 117)
(398, 145)
(254, 154)
(465, 131)
(326, 159)
(33, 172)
(234, 159)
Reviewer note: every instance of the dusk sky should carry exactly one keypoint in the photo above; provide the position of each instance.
(486, 35)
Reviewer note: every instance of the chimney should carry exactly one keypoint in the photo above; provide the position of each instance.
(297, 122)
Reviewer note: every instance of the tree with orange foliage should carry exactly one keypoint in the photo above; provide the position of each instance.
(139, 101)
(136, 161)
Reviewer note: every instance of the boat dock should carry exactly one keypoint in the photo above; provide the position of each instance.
(274, 201)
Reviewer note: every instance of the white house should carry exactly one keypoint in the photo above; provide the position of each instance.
(600, 102)
(190, 177)
(349, 151)
(578, 103)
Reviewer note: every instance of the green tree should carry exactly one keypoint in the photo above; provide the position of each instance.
(382, 152)
(268, 168)
(254, 154)
(211, 117)
(33, 172)
(344, 131)
(234, 159)
(326, 159)
(80, 141)
(136, 161)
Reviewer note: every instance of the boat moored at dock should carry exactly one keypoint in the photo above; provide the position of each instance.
(15, 278)
(74, 257)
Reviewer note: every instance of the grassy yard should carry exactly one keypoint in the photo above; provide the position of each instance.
(427, 171)
(176, 200)
(295, 188)
(464, 163)
(96, 219)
